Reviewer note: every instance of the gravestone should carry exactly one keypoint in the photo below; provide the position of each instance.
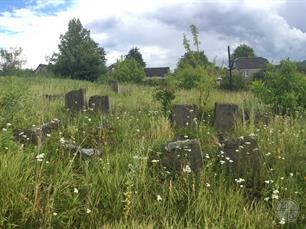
(99, 103)
(184, 115)
(224, 116)
(88, 152)
(75, 100)
(242, 158)
(179, 154)
(114, 85)
(37, 135)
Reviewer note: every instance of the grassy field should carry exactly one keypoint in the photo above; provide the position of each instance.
(118, 189)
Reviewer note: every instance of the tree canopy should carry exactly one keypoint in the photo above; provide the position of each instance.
(79, 56)
(134, 53)
(243, 50)
(128, 70)
(11, 60)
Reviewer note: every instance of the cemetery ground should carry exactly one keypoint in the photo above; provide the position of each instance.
(48, 185)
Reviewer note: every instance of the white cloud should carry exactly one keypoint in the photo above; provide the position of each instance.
(156, 27)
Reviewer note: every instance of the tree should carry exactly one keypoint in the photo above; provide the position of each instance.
(134, 53)
(243, 51)
(79, 56)
(194, 69)
(128, 70)
(11, 60)
(282, 87)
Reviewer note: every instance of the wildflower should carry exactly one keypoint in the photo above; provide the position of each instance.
(221, 152)
(207, 185)
(187, 169)
(267, 199)
(4, 129)
(222, 162)
(89, 119)
(268, 154)
(188, 150)
(252, 135)
(227, 158)
(231, 161)
(275, 191)
(75, 190)
(241, 137)
(47, 162)
(159, 198)
(241, 186)
(296, 192)
(237, 150)
(282, 178)
(268, 181)
(282, 221)
(48, 135)
(155, 161)
(40, 157)
(239, 180)
(8, 124)
(207, 156)
(137, 130)
(88, 210)
(54, 213)
(291, 174)
(274, 196)
(185, 136)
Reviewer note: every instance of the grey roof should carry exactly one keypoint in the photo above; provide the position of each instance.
(159, 72)
(250, 63)
(40, 68)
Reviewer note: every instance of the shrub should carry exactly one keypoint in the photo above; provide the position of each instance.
(284, 88)
(128, 70)
(239, 82)
(165, 94)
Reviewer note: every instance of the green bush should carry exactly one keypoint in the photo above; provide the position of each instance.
(284, 88)
(239, 82)
(128, 70)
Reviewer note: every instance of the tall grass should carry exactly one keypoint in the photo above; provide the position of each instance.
(117, 189)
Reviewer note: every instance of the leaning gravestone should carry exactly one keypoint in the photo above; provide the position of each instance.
(182, 155)
(224, 116)
(114, 85)
(242, 158)
(99, 103)
(75, 100)
(184, 115)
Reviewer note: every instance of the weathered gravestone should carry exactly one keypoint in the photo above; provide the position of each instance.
(114, 85)
(99, 103)
(75, 100)
(224, 116)
(37, 135)
(88, 152)
(180, 156)
(242, 158)
(184, 115)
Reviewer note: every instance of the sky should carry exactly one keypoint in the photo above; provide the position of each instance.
(275, 29)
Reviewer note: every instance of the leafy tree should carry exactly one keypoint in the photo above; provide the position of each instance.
(194, 70)
(79, 56)
(284, 88)
(128, 70)
(243, 51)
(11, 60)
(134, 53)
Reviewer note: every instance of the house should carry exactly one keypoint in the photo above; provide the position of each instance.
(157, 72)
(248, 66)
(42, 68)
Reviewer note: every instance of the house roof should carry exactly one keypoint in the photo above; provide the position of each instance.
(159, 72)
(41, 67)
(250, 63)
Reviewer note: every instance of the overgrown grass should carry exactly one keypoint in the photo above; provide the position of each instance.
(118, 189)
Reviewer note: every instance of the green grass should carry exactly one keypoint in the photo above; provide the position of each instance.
(118, 189)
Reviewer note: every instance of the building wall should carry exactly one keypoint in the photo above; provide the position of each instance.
(245, 72)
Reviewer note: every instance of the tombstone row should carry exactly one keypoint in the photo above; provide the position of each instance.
(75, 101)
